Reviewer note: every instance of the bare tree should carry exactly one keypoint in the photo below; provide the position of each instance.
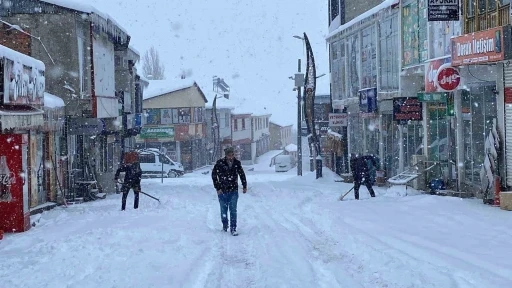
(152, 66)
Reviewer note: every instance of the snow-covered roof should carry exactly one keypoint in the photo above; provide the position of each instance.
(22, 58)
(161, 87)
(385, 4)
(222, 103)
(80, 6)
(52, 101)
(291, 148)
(280, 124)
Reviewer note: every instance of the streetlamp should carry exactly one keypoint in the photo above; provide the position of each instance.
(299, 82)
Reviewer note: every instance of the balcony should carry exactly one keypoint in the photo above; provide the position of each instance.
(496, 18)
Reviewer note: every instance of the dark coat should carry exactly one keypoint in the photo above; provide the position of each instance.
(360, 168)
(226, 178)
(132, 175)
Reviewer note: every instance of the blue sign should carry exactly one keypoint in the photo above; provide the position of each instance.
(368, 100)
(138, 120)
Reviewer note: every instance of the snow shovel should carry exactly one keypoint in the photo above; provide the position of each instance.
(150, 196)
(343, 196)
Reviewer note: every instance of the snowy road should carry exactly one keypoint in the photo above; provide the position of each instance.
(293, 233)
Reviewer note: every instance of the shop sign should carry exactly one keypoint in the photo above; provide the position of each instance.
(490, 45)
(508, 95)
(407, 109)
(432, 97)
(368, 100)
(431, 69)
(85, 126)
(322, 127)
(163, 132)
(338, 119)
(443, 10)
(447, 78)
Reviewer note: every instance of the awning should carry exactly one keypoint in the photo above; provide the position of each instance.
(20, 117)
(51, 101)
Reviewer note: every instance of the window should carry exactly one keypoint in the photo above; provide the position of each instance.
(147, 158)
(198, 115)
(369, 58)
(235, 124)
(389, 54)
(354, 58)
(163, 159)
(266, 120)
(226, 120)
(243, 124)
(335, 9)
(184, 115)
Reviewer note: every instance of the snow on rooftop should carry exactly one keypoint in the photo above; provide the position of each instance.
(78, 5)
(161, 87)
(280, 123)
(21, 58)
(52, 101)
(385, 4)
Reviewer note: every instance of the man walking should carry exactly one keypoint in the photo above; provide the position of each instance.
(132, 178)
(225, 180)
(361, 172)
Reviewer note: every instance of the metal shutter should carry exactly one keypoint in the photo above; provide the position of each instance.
(507, 73)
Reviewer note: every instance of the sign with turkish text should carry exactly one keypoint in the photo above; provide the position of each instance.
(447, 78)
(490, 45)
(338, 119)
(161, 132)
(432, 97)
(407, 109)
(443, 10)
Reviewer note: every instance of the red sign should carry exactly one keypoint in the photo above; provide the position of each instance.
(479, 47)
(508, 95)
(431, 72)
(447, 78)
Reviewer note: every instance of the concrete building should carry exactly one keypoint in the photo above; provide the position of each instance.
(79, 54)
(280, 135)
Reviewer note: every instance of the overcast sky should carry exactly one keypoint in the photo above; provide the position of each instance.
(248, 43)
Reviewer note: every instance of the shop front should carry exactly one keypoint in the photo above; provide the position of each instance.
(482, 61)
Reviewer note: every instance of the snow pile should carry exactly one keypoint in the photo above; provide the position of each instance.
(291, 148)
(283, 220)
(52, 101)
(161, 87)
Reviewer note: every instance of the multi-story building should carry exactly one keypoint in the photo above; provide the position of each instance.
(260, 134)
(280, 135)
(242, 136)
(175, 121)
(79, 53)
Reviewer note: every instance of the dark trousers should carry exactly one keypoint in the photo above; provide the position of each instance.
(125, 189)
(228, 201)
(368, 185)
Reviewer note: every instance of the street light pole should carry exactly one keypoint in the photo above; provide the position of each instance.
(299, 81)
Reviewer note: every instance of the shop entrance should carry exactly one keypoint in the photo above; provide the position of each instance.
(478, 115)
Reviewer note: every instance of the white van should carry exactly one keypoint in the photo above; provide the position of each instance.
(284, 163)
(151, 161)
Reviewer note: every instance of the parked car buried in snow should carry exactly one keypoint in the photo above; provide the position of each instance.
(284, 163)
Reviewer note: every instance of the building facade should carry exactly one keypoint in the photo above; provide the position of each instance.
(242, 136)
(175, 121)
(280, 135)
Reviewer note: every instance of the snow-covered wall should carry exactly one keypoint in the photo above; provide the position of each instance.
(104, 78)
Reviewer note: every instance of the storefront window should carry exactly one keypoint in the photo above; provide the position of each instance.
(390, 135)
(368, 58)
(478, 114)
(470, 8)
(412, 140)
(354, 58)
(355, 133)
(389, 54)
(372, 136)
(438, 141)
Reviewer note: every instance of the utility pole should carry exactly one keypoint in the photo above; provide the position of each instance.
(299, 81)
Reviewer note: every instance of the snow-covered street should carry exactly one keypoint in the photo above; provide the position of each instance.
(293, 233)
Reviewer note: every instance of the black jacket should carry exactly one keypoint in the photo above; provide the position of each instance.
(132, 175)
(225, 178)
(360, 168)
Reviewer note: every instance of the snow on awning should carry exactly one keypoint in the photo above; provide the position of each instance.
(52, 101)
(20, 117)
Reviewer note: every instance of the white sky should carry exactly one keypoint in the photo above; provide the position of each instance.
(248, 43)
